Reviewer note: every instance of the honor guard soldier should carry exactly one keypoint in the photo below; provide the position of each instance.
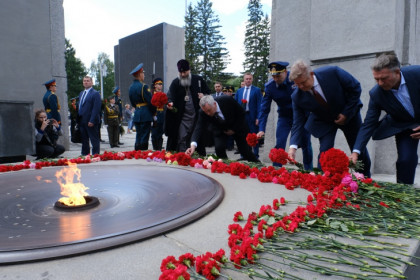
(111, 119)
(118, 102)
(50, 100)
(158, 119)
(279, 89)
(140, 98)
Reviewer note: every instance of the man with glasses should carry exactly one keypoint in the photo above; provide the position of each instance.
(279, 89)
(325, 100)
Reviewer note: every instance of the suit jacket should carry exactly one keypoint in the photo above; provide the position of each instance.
(255, 97)
(342, 92)
(397, 118)
(139, 93)
(214, 94)
(234, 116)
(282, 95)
(90, 110)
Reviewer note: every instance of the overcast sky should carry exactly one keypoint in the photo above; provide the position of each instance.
(95, 26)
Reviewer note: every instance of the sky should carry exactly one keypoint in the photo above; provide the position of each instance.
(95, 26)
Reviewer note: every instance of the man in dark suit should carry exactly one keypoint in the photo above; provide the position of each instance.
(225, 117)
(249, 97)
(398, 94)
(89, 117)
(140, 98)
(331, 96)
(218, 89)
(280, 89)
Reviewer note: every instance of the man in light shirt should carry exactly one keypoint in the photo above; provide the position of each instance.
(398, 94)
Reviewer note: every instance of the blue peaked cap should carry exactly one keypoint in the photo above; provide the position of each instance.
(277, 67)
(49, 82)
(136, 69)
(116, 89)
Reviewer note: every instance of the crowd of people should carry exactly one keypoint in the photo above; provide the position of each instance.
(309, 103)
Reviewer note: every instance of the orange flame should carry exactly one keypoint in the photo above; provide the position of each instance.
(73, 192)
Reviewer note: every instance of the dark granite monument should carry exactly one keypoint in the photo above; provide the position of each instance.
(158, 47)
(32, 52)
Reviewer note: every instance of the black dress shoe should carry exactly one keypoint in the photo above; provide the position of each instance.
(237, 152)
(119, 143)
(102, 140)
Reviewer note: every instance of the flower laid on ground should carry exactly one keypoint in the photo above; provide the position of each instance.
(272, 244)
(159, 99)
(334, 161)
(252, 139)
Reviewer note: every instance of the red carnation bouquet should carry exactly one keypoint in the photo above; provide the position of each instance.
(334, 161)
(159, 99)
(278, 156)
(252, 139)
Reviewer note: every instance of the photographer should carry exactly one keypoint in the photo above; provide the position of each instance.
(47, 132)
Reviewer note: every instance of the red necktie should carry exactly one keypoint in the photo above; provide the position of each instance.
(319, 98)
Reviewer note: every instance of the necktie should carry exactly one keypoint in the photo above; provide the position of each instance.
(319, 98)
(246, 97)
(82, 100)
(246, 93)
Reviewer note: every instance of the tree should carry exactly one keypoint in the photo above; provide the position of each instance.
(108, 77)
(257, 43)
(75, 71)
(192, 51)
(204, 44)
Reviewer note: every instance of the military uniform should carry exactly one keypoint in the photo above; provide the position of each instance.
(51, 103)
(111, 116)
(118, 102)
(157, 128)
(281, 94)
(140, 98)
(74, 130)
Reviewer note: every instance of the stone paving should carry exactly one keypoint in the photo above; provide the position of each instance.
(141, 260)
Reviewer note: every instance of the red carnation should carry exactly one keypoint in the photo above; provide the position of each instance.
(159, 99)
(252, 139)
(278, 156)
(334, 161)
(244, 101)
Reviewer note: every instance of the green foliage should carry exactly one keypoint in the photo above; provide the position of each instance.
(204, 46)
(75, 71)
(108, 79)
(191, 39)
(257, 43)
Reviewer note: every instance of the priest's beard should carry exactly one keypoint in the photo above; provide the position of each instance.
(185, 82)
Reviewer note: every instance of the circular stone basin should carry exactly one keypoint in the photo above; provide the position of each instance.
(136, 202)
